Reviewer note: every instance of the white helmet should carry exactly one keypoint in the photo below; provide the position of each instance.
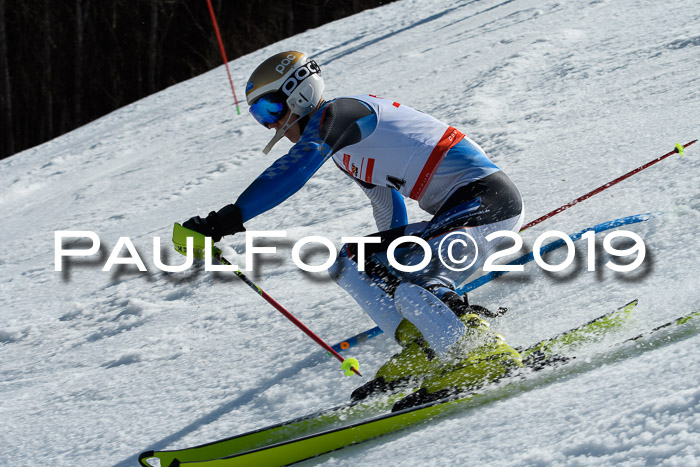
(285, 81)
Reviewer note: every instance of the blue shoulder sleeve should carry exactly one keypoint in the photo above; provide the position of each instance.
(349, 121)
(282, 179)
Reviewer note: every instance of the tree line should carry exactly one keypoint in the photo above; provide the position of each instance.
(64, 63)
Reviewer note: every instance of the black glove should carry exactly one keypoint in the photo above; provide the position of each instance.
(227, 221)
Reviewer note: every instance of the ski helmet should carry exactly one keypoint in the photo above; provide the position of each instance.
(286, 81)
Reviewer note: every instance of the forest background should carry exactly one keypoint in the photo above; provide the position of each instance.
(64, 63)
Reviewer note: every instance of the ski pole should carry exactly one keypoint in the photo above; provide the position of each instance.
(678, 149)
(180, 234)
(351, 364)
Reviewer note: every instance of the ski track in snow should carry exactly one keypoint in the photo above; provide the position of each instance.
(96, 367)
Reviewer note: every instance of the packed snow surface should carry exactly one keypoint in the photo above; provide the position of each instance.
(564, 96)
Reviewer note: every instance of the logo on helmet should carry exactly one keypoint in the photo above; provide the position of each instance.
(300, 75)
(288, 60)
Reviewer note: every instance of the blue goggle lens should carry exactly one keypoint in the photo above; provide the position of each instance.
(268, 109)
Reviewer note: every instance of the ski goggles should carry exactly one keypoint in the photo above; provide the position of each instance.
(268, 109)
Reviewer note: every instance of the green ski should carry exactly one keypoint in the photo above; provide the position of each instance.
(332, 429)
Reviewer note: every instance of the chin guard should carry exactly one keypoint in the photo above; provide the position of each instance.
(280, 132)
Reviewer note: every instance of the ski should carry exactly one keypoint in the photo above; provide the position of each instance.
(585, 333)
(664, 331)
(305, 447)
(338, 427)
(315, 422)
(478, 282)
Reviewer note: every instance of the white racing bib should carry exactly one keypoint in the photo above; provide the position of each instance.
(403, 152)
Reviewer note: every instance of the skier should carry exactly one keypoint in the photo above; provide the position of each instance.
(392, 152)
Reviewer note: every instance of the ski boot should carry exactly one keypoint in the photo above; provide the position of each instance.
(404, 369)
(422, 309)
(479, 358)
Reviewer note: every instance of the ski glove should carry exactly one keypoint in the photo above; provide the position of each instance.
(227, 221)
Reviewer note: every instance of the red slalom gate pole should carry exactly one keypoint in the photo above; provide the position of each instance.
(288, 315)
(678, 149)
(223, 53)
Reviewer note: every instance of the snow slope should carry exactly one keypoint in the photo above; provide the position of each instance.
(96, 367)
